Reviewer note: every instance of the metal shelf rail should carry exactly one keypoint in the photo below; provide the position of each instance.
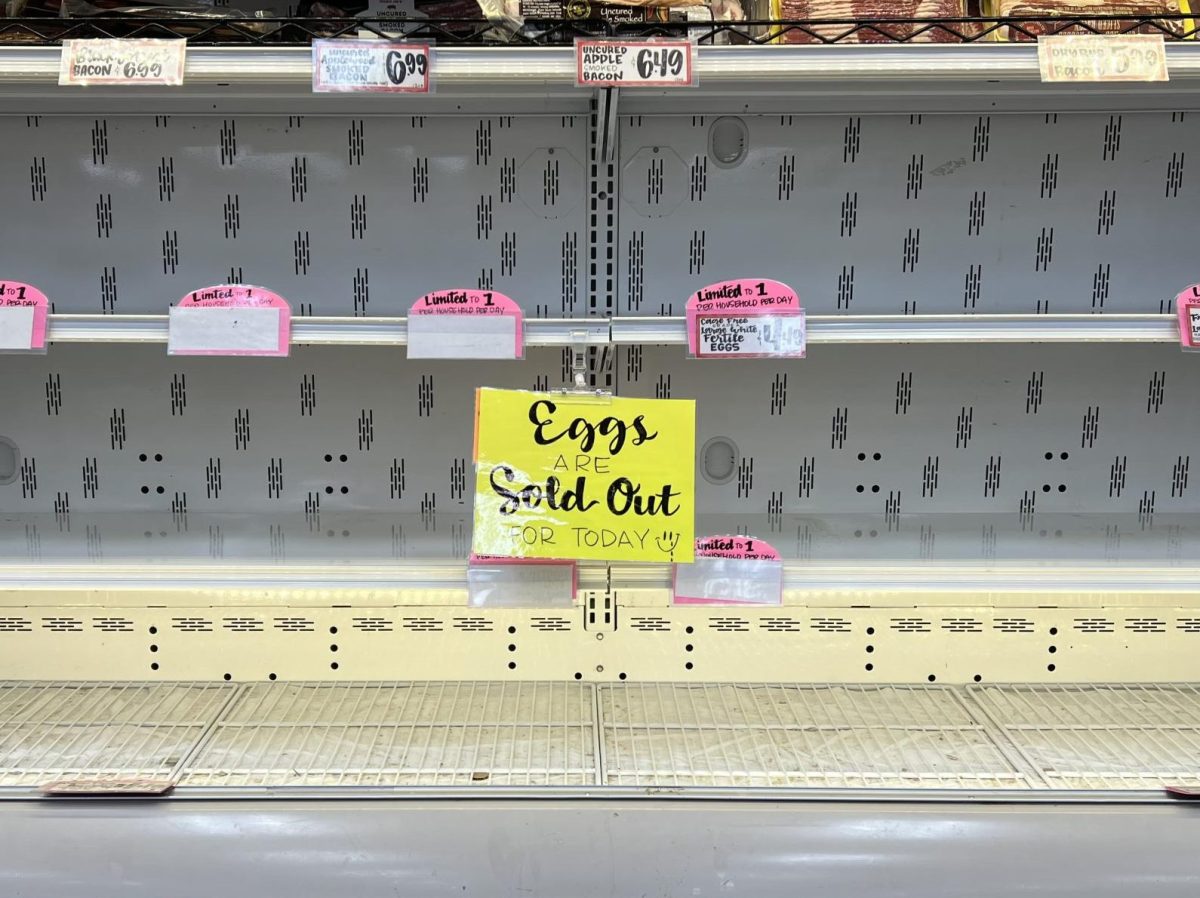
(842, 329)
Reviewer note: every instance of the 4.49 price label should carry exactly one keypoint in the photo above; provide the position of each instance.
(372, 67)
(121, 61)
(760, 336)
(634, 64)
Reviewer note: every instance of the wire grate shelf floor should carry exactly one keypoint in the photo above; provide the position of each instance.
(644, 736)
(403, 734)
(1101, 737)
(52, 731)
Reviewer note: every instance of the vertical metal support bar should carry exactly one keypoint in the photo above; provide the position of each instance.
(602, 205)
(598, 723)
(602, 228)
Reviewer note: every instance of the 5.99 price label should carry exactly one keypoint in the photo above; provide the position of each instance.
(371, 66)
(634, 64)
(121, 61)
(1102, 57)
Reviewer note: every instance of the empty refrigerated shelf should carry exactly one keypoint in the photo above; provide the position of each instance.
(805, 736)
(53, 731)
(1101, 737)
(403, 734)
(648, 737)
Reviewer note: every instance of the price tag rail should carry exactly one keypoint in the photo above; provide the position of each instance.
(621, 331)
(225, 71)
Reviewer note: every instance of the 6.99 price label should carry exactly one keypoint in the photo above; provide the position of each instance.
(634, 64)
(121, 61)
(371, 66)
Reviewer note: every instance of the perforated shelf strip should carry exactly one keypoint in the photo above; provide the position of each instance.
(479, 734)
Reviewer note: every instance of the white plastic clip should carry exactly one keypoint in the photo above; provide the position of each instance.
(580, 370)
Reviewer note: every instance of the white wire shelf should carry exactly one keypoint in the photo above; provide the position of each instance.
(1101, 737)
(52, 731)
(486, 735)
(822, 329)
(550, 67)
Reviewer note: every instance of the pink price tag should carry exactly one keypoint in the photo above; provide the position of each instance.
(1187, 307)
(465, 324)
(650, 63)
(23, 316)
(746, 318)
(230, 319)
(730, 570)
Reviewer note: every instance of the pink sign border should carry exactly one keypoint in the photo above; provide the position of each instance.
(767, 553)
(784, 302)
(476, 301)
(247, 299)
(1188, 298)
(41, 310)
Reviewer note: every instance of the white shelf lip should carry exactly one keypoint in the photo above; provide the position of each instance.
(311, 330)
(849, 329)
(938, 329)
(800, 578)
(554, 66)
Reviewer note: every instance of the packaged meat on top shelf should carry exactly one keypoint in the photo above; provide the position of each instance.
(1104, 10)
(850, 12)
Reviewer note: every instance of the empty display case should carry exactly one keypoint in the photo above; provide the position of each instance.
(245, 580)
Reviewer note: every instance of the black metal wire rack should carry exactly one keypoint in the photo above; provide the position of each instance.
(217, 29)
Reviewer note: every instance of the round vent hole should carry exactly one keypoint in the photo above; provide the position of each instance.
(8, 460)
(728, 141)
(719, 460)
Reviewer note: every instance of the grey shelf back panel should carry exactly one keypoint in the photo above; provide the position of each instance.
(903, 429)
(340, 215)
(935, 213)
(920, 429)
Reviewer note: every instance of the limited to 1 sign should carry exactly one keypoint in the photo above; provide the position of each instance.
(1102, 57)
(122, 61)
(634, 64)
(371, 66)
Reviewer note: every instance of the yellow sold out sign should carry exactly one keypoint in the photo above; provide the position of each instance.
(560, 475)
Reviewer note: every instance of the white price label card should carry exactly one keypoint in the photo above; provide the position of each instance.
(666, 63)
(231, 330)
(16, 327)
(465, 324)
(1102, 57)
(462, 337)
(533, 585)
(371, 66)
(122, 61)
(713, 581)
(753, 336)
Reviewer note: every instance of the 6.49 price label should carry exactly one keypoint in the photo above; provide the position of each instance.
(121, 61)
(371, 66)
(634, 64)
